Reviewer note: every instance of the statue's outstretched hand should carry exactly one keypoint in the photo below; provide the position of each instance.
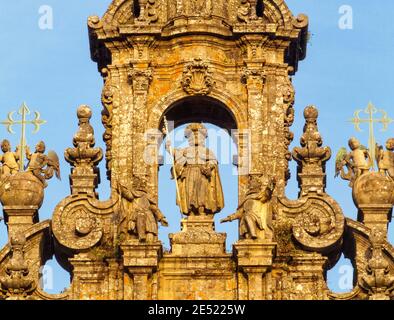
(228, 219)
(164, 222)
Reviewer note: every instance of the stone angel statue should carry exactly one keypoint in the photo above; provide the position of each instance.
(9, 159)
(385, 158)
(255, 212)
(140, 212)
(42, 166)
(357, 162)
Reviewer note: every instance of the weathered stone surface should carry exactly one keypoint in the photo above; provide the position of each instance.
(227, 62)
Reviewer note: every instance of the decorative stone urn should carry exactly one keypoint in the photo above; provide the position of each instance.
(21, 189)
(373, 188)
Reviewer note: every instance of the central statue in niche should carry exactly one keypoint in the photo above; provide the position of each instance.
(197, 176)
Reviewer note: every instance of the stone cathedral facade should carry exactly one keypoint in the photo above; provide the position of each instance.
(229, 63)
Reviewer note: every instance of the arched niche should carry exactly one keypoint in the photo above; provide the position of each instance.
(180, 109)
(200, 109)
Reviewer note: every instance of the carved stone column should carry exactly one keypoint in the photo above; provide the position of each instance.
(307, 276)
(19, 218)
(254, 259)
(140, 79)
(243, 160)
(88, 282)
(254, 79)
(140, 260)
(153, 138)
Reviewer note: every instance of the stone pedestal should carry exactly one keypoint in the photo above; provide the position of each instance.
(83, 183)
(311, 182)
(198, 266)
(198, 238)
(20, 218)
(254, 259)
(376, 216)
(140, 260)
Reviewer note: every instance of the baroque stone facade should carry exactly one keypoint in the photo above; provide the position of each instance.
(230, 63)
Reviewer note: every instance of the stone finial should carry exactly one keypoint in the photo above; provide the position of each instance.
(84, 154)
(311, 157)
(16, 283)
(84, 157)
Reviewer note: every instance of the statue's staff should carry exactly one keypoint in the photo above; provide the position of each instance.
(172, 153)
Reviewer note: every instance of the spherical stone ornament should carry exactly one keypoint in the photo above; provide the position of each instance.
(21, 189)
(373, 188)
(311, 112)
(84, 112)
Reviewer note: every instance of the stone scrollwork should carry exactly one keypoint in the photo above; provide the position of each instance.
(318, 224)
(94, 22)
(78, 221)
(197, 79)
(107, 100)
(287, 92)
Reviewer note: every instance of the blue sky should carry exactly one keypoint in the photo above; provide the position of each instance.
(51, 70)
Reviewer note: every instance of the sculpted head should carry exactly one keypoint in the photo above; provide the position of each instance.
(354, 143)
(196, 133)
(5, 146)
(390, 144)
(40, 147)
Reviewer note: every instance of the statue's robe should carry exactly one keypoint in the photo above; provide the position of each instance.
(9, 161)
(140, 213)
(255, 211)
(196, 189)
